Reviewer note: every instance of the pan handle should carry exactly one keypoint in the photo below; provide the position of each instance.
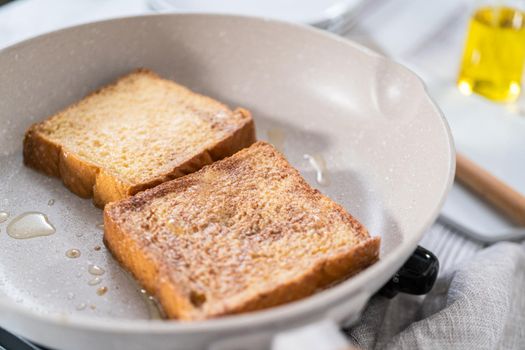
(323, 335)
(10, 341)
(417, 275)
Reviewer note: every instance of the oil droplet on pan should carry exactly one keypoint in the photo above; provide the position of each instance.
(94, 281)
(319, 164)
(73, 253)
(30, 225)
(3, 216)
(81, 306)
(51, 202)
(96, 270)
(102, 290)
(154, 310)
(276, 137)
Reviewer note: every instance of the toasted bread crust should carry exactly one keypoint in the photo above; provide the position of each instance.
(154, 272)
(335, 269)
(90, 180)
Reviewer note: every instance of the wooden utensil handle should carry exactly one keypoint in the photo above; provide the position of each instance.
(503, 197)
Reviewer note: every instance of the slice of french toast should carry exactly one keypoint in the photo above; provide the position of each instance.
(134, 134)
(242, 234)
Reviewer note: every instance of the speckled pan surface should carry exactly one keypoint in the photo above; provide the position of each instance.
(388, 153)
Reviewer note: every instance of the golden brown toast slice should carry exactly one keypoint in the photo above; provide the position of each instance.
(242, 234)
(134, 134)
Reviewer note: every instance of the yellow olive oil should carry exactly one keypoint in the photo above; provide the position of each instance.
(494, 54)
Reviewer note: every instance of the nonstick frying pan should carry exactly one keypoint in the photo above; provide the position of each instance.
(388, 152)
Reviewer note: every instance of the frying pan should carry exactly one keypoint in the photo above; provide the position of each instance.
(388, 152)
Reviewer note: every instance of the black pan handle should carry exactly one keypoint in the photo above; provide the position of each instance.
(9, 341)
(416, 276)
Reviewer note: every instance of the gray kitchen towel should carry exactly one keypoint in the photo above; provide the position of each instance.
(480, 304)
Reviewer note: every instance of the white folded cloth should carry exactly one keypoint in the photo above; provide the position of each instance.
(480, 304)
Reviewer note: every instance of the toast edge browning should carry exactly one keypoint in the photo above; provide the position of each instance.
(322, 275)
(136, 261)
(88, 180)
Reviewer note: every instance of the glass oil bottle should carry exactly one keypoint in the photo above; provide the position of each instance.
(494, 52)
